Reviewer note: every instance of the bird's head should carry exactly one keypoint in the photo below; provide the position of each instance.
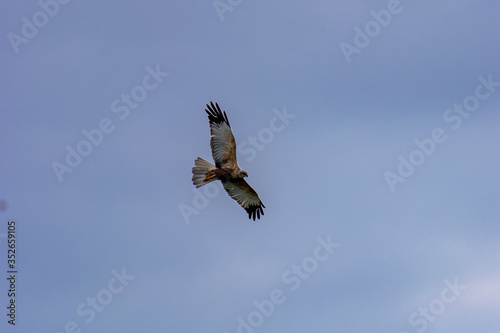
(243, 174)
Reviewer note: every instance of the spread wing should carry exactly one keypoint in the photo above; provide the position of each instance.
(245, 195)
(221, 139)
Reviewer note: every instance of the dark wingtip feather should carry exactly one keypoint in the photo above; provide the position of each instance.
(255, 211)
(215, 114)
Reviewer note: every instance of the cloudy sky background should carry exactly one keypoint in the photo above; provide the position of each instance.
(321, 176)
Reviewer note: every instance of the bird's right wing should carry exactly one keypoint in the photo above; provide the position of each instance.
(221, 140)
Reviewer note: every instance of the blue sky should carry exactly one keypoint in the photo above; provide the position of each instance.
(389, 156)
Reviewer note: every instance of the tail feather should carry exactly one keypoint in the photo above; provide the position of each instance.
(200, 169)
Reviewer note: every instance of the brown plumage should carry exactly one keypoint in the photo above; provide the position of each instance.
(226, 168)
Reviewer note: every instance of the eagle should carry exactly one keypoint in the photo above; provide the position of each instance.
(226, 168)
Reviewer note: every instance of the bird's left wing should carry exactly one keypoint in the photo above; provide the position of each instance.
(221, 140)
(245, 195)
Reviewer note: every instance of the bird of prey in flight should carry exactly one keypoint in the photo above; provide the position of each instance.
(226, 168)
